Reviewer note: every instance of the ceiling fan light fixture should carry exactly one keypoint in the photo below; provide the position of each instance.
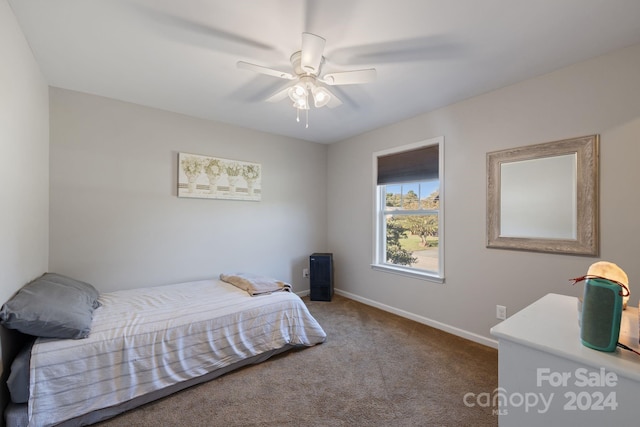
(301, 104)
(298, 92)
(321, 96)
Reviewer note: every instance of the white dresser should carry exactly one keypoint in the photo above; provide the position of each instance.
(548, 378)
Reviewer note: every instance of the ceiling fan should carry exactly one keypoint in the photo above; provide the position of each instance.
(307, 77)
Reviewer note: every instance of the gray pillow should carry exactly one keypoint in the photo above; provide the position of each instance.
(52, 306)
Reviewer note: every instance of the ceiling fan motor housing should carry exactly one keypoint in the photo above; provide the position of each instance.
(296, 63)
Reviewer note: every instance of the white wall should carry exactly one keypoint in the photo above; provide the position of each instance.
(595, 97)
(24, 167)
(24, 162)
(117, 222)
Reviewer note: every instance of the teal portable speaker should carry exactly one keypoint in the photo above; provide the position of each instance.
(601, 314)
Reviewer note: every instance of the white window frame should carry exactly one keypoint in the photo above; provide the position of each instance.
(379, 252)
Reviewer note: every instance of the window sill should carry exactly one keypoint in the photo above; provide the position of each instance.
(408, 272)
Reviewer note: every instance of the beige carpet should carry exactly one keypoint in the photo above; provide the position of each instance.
(375, 369)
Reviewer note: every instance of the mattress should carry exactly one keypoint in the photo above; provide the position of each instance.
(150, 339)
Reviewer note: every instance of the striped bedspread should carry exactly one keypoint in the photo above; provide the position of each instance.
(147, 339)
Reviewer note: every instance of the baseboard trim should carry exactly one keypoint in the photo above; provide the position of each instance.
(421, 319)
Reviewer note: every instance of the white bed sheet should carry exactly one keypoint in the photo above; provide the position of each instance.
(146, 339)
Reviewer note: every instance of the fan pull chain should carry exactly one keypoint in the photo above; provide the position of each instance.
(298, 115)
(307, 118)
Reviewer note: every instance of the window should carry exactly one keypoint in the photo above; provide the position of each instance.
(408, 210)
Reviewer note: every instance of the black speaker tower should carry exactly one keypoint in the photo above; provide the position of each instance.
(321, 277)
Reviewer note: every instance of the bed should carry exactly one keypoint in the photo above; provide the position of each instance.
(147, 343)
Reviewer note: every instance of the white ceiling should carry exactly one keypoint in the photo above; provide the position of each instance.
(180, 55)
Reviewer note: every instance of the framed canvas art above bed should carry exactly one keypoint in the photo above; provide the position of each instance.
(207, 177)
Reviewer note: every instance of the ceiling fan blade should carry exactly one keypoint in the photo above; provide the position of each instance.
(200, 32)
(312, 48)
(429, 48)
(264, 70)
(350, 77)
(281, 94)
(334, 101)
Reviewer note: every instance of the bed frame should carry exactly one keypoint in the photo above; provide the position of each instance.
(16, 414)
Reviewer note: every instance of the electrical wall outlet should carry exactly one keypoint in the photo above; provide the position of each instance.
(501, 312)
(305, 273)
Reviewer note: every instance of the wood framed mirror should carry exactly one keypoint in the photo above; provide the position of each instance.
(544, 197)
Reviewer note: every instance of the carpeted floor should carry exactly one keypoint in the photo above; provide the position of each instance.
(375, 369)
